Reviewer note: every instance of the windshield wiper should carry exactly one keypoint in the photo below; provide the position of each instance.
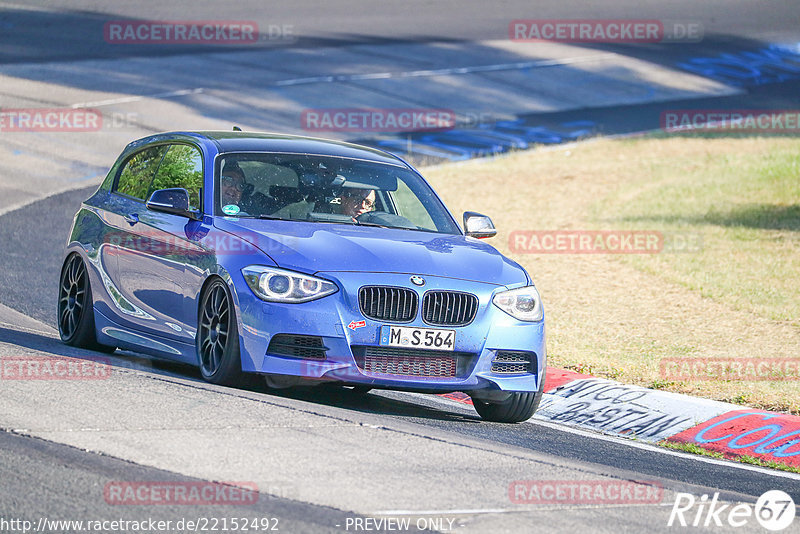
(359, 223)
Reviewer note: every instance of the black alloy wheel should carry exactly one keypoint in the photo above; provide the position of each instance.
(218, 336)
(75, 307)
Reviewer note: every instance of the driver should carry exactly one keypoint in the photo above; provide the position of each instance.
(235, 191)
(356, 202)
(232, 184)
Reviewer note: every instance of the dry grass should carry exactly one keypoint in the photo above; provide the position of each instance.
(618, 315)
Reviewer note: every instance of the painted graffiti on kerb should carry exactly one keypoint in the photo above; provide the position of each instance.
(766, 435)
(612, 407)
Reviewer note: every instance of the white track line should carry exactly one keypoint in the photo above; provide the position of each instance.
(668, 452)
(638, 444)
(539, 508)
(138, 98)
(520, 65)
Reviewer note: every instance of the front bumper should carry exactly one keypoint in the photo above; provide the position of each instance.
(328, 318)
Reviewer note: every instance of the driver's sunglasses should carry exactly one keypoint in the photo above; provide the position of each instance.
(231, 181)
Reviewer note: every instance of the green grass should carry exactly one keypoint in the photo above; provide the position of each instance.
(693, 448)
(752, 460)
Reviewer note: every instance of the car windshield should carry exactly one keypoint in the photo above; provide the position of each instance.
(325, 189)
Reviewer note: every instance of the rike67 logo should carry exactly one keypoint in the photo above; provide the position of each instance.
(774, 510)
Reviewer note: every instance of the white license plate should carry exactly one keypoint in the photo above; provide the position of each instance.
(418, 338)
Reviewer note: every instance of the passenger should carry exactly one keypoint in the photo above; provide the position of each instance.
(356, 202)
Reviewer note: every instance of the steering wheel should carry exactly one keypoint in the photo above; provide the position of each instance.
(385, 219)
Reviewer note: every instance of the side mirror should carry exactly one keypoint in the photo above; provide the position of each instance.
(174, 201)
(477, 225)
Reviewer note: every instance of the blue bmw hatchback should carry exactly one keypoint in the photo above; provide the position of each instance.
(302, 260)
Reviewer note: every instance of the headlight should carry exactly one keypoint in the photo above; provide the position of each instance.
(523, 303)
(279, 285)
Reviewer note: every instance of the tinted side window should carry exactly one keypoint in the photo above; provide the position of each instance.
(135, 178)
(182, 166)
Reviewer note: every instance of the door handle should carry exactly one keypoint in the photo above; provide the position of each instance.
(132, 218)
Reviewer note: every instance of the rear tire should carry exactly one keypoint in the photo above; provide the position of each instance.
(519, 407)
(217, 341)
(76, 308)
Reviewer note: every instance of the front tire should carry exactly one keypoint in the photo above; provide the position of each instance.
(76, 307)
(519, 407)
(218, 337)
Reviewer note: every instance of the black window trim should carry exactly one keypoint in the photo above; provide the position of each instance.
(115, 185)
(202, 171)
(124, 163)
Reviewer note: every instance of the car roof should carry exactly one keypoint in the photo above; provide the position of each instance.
(237, 141)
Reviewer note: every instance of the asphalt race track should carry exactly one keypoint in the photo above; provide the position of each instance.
(325, 460)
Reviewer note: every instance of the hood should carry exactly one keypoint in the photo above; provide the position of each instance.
(315, 247)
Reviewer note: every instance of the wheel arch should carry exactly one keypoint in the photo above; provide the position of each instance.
(218, 274)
